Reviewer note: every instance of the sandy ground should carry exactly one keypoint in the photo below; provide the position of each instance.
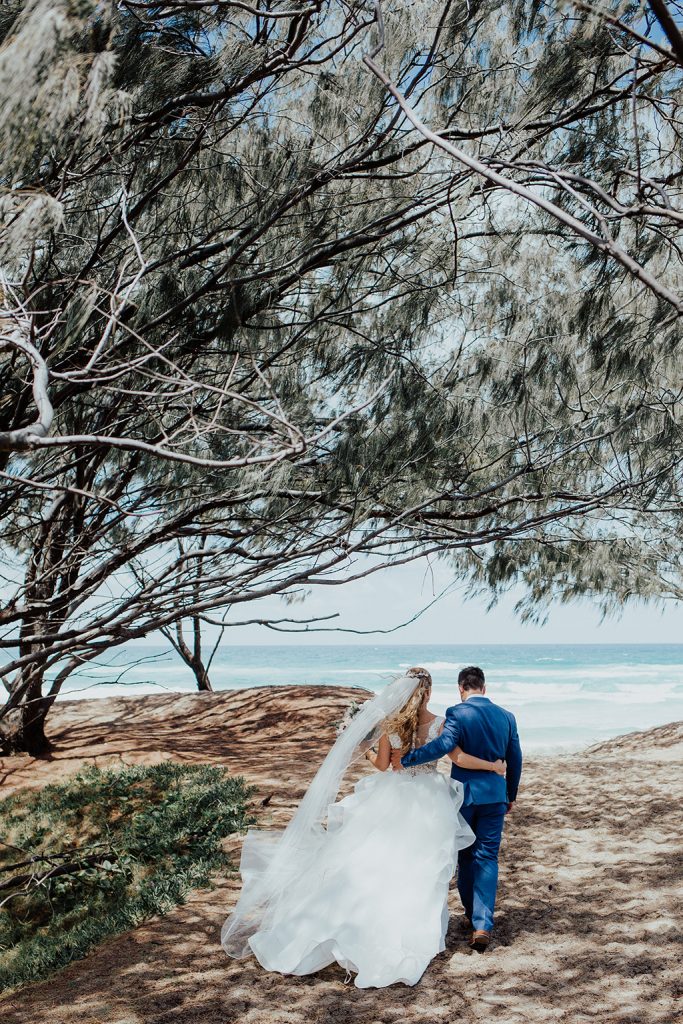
(589, 919)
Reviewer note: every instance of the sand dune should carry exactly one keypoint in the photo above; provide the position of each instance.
(589, 924)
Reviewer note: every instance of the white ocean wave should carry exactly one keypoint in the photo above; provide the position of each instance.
(162, 669)
(521, 694)
(363, 671)
(436, 666)
(611, 671)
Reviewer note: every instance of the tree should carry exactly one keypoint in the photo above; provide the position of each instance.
(618, 190)
(193, 656)
(260, 332)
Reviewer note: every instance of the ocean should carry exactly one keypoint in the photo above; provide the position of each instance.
(565, 696)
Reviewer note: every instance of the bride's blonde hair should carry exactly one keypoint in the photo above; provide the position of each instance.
(404, 723)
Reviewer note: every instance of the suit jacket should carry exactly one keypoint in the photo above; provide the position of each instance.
(483, 729)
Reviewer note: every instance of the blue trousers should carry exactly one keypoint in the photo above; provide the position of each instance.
(478, 863)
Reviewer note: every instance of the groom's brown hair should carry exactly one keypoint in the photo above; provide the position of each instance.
(471, 678)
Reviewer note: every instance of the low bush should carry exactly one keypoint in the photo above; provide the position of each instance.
(102, 852)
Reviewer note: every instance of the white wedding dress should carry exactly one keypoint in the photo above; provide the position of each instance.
(374, 897)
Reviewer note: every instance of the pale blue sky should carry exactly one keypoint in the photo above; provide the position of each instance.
(393, 596)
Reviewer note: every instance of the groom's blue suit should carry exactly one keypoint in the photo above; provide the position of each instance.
(481, 729)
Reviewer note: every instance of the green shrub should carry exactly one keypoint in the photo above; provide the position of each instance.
(134, 841)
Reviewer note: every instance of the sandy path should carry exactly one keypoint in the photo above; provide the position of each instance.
(590, 901)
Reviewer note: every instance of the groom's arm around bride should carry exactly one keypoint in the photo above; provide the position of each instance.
(483, 729)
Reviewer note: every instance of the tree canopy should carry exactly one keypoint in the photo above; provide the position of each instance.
(289, 284)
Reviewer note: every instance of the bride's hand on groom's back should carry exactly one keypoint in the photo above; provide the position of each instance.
(500, 767)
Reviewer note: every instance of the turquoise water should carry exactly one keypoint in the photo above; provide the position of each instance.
(564, 696)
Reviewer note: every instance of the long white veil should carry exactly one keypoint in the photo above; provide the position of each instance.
(272, 860)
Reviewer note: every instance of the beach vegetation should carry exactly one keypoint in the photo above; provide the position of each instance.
(102, 852)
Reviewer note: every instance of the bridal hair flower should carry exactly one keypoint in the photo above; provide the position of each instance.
(349, 715)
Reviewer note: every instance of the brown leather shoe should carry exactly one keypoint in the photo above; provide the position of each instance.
(480, 941)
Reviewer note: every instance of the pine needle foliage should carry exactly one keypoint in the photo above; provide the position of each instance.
(145, 835)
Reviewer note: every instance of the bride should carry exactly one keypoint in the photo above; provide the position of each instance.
(370, 890)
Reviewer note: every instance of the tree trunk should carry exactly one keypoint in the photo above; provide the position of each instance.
(22, 728)
(201, 675)
(192, 658)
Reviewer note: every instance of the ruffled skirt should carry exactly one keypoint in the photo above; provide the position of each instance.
(374, 898)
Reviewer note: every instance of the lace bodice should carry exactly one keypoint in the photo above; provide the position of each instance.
(431, 733)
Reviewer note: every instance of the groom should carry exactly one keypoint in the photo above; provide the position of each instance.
(483, 729)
